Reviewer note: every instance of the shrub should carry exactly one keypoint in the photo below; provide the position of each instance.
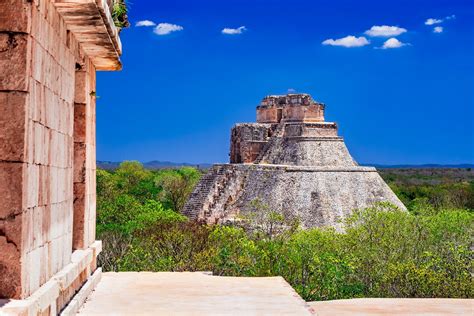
(233, 253)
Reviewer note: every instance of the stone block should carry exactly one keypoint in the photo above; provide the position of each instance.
(45, 273)
(55, 221)
(46, 296)
(67, 245)
(80, 122)
(79, 162)
(13, 229)
(53, 185)
(44, 182)
(30, 142)
(15, 16)
(38, 145)
(32, 271)
(68, 152)
(14, 61)
(12, 188)
(79, 221)
(46, 224)
(13, 122)
(55, 256)
(10, 269)
(35, 100)
(32, 185)
(47, 153)
(33, 235)
(37, 60)
(81, 94)
(51, 101)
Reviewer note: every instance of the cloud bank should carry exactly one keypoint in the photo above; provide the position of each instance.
(145, 23)
(393, 43)
(167, 28)
(432, 21)
(385, 31)
(438, 29)
(231, 31)
(348, 41)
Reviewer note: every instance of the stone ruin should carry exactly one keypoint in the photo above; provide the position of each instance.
(50, 51)
(294, 162)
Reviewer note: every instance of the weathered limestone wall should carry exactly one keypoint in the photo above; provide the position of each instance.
(308, 151)
(38, 64)
(290, 108)
(47, 150)
(317, 196)
(310, 113)
(322, 129)
(248, 140)
(269, 116)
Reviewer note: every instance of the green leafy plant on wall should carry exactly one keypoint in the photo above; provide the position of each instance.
(119, 14)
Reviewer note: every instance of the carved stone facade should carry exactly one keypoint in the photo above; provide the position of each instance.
(49, 53)
(293, 161)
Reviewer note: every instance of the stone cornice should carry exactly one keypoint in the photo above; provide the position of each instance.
(91, 23)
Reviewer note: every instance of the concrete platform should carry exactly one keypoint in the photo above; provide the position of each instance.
(192, 293)
(395, 307)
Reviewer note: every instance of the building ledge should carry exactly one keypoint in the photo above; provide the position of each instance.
(91, 23)
(44, 300)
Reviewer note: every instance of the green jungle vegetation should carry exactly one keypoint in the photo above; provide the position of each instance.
(384, 252)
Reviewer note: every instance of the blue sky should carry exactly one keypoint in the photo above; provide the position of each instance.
(184, 82)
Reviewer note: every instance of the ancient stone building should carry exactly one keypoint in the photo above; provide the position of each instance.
(293, 161)
(49, 53)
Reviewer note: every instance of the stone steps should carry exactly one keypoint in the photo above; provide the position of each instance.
(202, 192)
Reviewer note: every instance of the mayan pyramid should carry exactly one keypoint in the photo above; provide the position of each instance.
(294, 162)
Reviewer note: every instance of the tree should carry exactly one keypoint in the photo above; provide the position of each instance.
(177, 185)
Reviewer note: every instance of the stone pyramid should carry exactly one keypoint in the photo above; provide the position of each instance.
(294, 162)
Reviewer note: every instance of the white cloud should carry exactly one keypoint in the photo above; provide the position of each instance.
(385, 30)
(348, 41)
(231, 31)
(432, 21)
(393, 43)
(438, 29)
(145, 23)
(167, 28)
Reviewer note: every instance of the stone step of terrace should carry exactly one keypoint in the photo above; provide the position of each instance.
(192, 293)
(395, 307)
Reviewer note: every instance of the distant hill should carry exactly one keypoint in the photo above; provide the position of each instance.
(424, 166)
(155, 164)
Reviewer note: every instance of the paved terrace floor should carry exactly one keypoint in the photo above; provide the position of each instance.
(194, 293)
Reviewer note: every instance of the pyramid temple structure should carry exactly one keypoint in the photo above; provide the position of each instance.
(294, 162)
